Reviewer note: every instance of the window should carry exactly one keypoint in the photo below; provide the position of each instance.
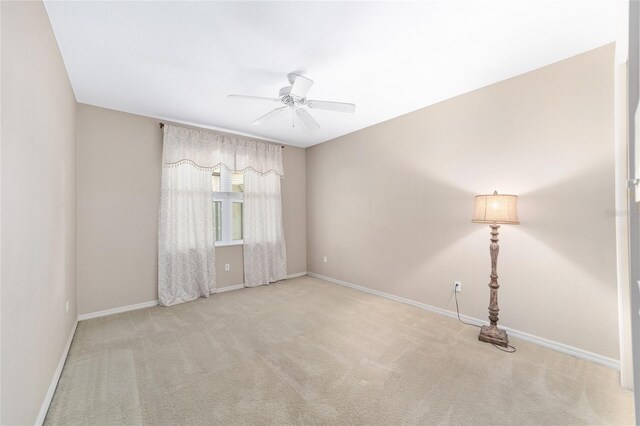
(228, 189)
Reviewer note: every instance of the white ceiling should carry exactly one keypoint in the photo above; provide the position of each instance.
(179, 60)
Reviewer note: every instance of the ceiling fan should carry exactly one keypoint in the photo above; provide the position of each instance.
(294, 97)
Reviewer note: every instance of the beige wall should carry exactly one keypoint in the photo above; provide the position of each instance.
(294, 208)
(38, 209)
(390, 205)
(119, 165)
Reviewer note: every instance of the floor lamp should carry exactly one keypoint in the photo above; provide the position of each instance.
(495, 209)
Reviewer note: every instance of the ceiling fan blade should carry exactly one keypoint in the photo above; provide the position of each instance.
(301, 86)
(307, 119)
(259, 98)
(269, 116)
(331, 106)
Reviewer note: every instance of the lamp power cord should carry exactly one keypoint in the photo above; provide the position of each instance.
(510, 350)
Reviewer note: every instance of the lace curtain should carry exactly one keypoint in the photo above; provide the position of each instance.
(208, 151)
(265, 254)
(186, 238)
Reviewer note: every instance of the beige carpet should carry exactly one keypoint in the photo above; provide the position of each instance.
(309, 352)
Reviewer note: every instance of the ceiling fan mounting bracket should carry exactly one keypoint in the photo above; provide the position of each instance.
(292, 77)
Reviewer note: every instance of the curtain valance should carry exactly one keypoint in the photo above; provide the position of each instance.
(209, 150)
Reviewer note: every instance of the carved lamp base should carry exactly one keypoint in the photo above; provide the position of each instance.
(493, 334)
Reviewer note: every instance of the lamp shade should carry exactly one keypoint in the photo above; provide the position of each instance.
(496, 208)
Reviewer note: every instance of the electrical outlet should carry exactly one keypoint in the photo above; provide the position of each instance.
(66, 306)
(227, 267)
(457, 285)
(324, 259)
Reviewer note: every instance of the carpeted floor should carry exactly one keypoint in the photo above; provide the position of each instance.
(305, 351)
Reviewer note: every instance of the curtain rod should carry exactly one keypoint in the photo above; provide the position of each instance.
(162, 127)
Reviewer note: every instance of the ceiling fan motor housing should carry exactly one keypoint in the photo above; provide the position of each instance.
(288, 99)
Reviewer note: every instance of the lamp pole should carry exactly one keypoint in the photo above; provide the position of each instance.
(491, 333)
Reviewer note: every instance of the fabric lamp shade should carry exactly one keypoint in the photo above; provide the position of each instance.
(496, 208)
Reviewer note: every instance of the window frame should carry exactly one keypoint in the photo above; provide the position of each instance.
(226, 198)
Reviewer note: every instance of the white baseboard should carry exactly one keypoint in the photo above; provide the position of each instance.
(228, 288)
(560, 347)
(54, 381)
(239, 286)
(155, 302)
(296, 275)
(117, 310)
